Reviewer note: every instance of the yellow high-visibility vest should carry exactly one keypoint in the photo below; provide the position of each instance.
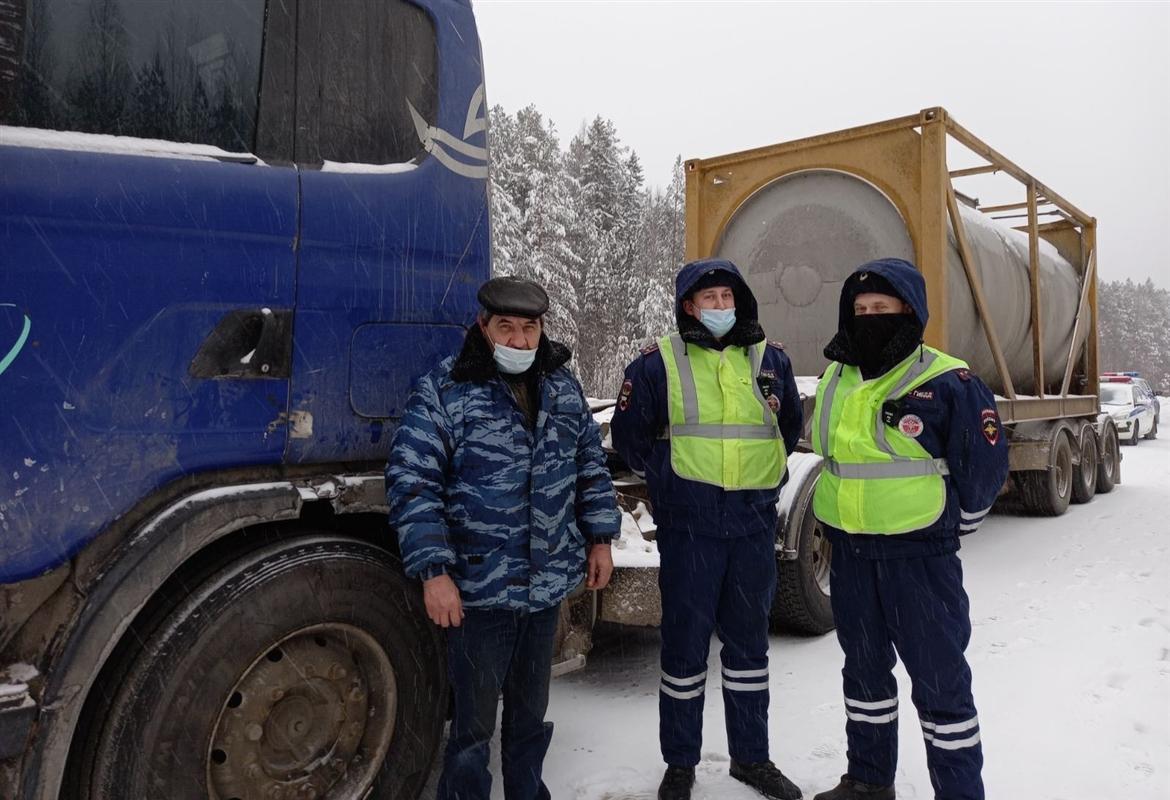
(876, 478)
(722, 431)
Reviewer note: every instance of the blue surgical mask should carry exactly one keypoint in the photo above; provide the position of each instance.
(511, 360)
(718, 320)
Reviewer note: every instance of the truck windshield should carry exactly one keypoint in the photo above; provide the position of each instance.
(1116, 395)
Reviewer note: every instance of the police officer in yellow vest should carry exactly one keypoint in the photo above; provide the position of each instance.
(914, 457)
(709, 415)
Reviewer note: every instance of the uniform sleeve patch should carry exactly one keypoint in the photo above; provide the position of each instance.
(989, 424)
(777, 344)
(964, 374)
(650, 348)
(922, 394)
(911, 425)
(624, 394)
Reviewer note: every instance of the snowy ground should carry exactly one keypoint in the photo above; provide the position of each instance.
(1070, 652)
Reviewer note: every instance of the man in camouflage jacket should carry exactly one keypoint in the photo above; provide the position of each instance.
(500, 495)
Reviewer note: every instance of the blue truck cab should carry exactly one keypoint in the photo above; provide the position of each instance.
(232, 232)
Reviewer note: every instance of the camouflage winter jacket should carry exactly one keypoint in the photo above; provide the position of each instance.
(504, 509)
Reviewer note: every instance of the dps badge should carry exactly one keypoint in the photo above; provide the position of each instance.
(911, 425)
(624, 394)
(989, 424)
(774, 403)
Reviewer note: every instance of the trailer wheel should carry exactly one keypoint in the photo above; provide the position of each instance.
(802, 604)
(1109, 463)
(1085, 474)
(1048, 492)
(304, 669)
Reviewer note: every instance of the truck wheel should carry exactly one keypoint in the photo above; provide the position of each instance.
(1085, 474)
(1109, 463)
(1048, 492)
(801, 604)
(304, 669)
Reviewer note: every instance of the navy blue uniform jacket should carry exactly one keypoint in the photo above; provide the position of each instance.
(959, 423)
(641, 416)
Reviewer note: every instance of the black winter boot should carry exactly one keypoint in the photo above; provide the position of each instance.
(676, 783)
(766, 779)
(850, 789)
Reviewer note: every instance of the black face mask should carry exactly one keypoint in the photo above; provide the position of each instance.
(873, 335)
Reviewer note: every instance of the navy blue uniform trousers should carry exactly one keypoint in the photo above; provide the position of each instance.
(916, 606)
(499, 651)
(714, 585)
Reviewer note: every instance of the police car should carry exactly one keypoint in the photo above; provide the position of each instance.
(1132, 404)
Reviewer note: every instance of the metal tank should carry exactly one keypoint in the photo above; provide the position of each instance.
(798, 237)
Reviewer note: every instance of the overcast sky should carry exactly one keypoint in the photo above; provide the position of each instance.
(1078, 94)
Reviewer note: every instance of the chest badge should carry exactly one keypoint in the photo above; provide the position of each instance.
(911, 425)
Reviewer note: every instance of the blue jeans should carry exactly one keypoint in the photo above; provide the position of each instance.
(494, 651)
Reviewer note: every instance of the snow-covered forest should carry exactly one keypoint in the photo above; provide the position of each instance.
(583, 221)
(1135, 330)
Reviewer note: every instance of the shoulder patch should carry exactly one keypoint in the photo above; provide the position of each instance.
(922, 394)
(989, 424)
(624, 395)
(776, 343)
(650, 348)
(964, 374)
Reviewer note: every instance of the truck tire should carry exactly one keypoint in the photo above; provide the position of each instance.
(306, 668)
(1048, 492)
(1108, 461)
(801, 604)
(1085, 473)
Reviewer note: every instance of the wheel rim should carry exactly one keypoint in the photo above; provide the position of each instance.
(1063, 470)
(822, 552)
(306, 720)
(1089, 462)
(1109, 457)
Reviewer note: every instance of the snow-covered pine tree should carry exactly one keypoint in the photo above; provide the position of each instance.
(504, 172)
(1134, 328)
(532, 213)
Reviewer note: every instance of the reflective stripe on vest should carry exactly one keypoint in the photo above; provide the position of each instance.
(884, 482)
(725, 435)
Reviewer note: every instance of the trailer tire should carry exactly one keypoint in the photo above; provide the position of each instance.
(1109, 461)
(802, 604)
(308, 665)
(1085, 474)
(1048, 492)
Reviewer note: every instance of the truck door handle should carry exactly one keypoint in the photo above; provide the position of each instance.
(247, 343)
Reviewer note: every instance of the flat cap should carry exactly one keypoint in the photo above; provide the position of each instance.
(512, 296)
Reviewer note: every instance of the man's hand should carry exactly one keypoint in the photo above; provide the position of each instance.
(442, 600)
(599, 566)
